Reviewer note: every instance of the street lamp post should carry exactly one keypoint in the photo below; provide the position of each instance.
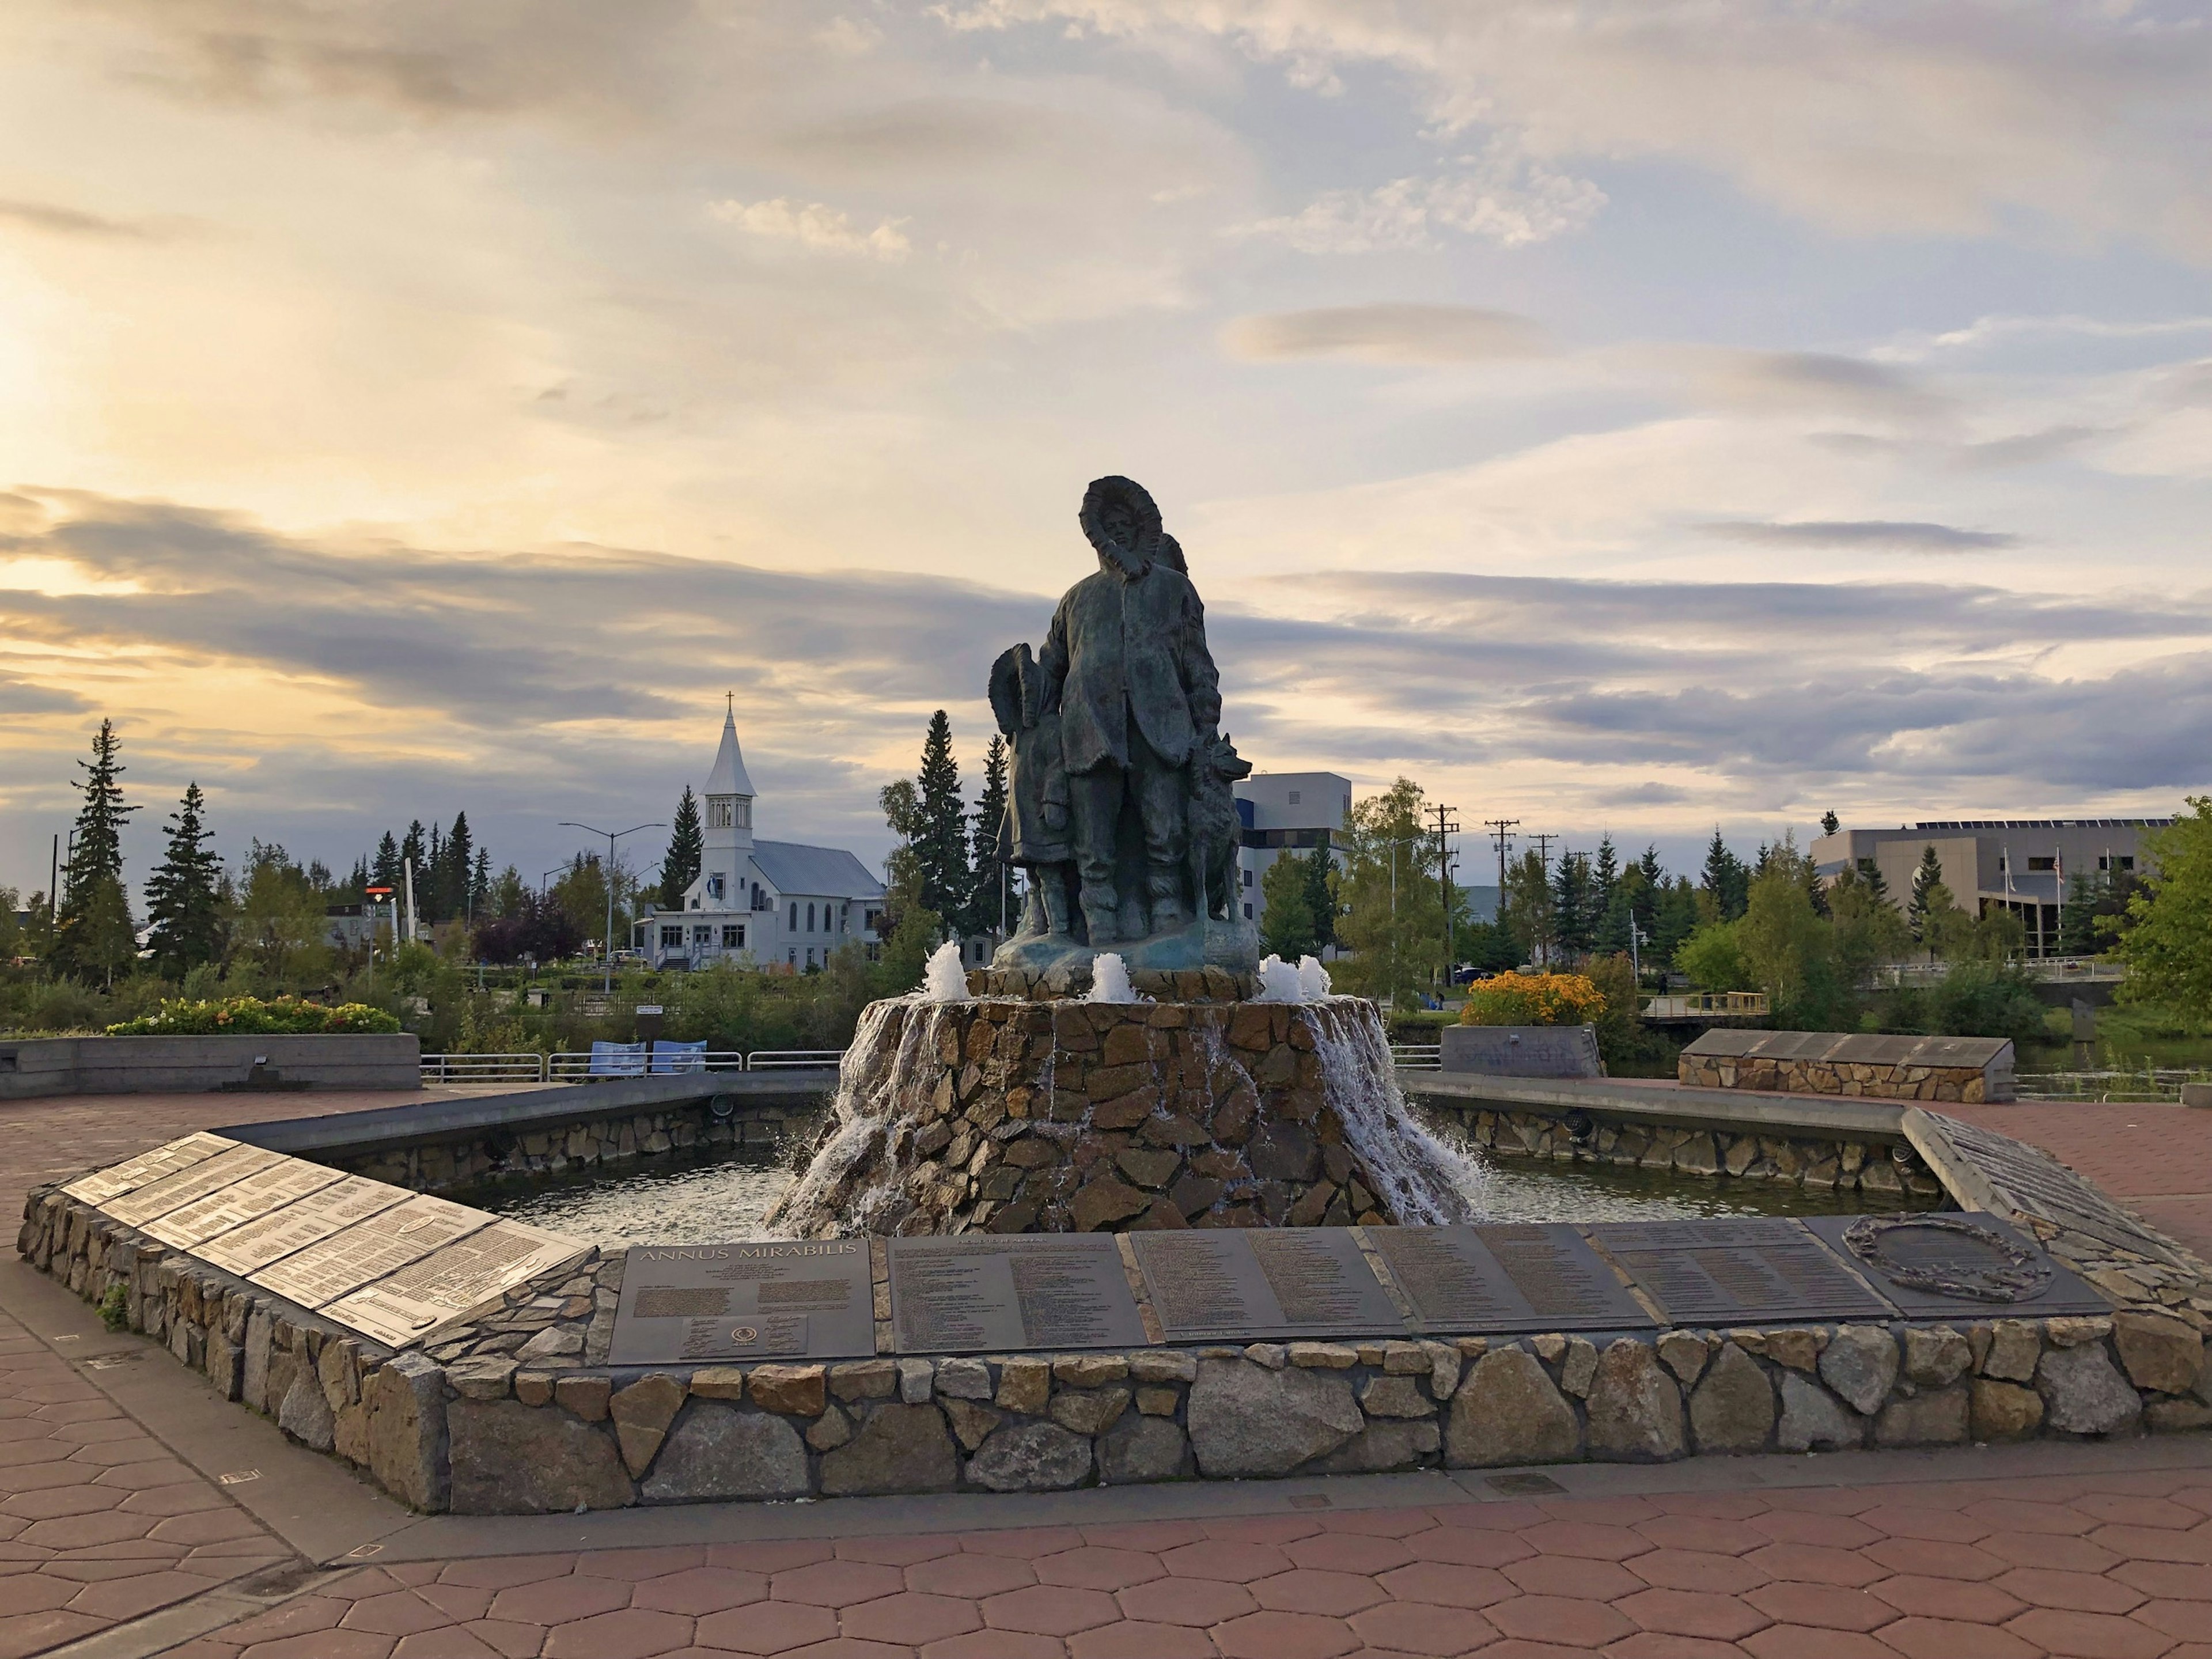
(607, 943)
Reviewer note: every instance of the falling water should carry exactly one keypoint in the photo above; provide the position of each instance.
(1421, 1177)
(857, 1180)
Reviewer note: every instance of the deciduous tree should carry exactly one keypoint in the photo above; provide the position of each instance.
(2167, 944)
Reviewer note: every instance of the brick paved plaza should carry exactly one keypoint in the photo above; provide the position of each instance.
(115, 1533)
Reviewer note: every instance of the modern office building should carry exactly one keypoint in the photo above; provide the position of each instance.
(2021, 864)
(775, 904)
(1286, 812)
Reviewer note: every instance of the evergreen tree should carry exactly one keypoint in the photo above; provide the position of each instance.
(1830, 824)
(940, 844)
(1653, 872)
(460, 859)
(680, 866)
(994, 904)
(385, 871)
(1673, 918)
(1870, 873)
(430, 877)
(1925, 880)
(412, 847)
(1604, 875)
(1726, 881)
(183, 901)
(480, 884)
(358, 882)
(1571, 902)
(1321, 896)
(92, 933)
(1286, 920)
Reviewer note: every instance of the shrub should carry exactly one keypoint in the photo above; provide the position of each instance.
(250, 1015)
(1533, 1000)
(1985, 999)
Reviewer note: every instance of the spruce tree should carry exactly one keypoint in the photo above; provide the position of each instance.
(183, 898)
(385, 871)
(480, 884)
(941, 845)
(1870, 873)
(1726, 879)
(1925, 880)
(1321, 896)
(460, 859)
(680, 866)
(993, 906)
(1571, 894)
(93, 932)
(1830, 824)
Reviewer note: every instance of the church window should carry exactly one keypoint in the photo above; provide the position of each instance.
(733, 937)
(809, 922)
(721, 811)
(744, 811)
(794, 916)
(790, 956)
(810, 958)
(672, 938)
(714, 886)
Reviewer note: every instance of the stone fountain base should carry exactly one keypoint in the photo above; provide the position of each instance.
(1009, 1115)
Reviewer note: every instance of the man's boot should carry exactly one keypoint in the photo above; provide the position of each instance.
(1055, 893)
(1165, 887)
(1099, 917)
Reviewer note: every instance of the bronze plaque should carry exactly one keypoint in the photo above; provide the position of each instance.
(761, 1299)
(368, 1250)
(992, 1293)
(1239, 1285)
(147, 1168)
(1537, 1277)
(156, 1199)
(1742, 1270)
(244, 1250)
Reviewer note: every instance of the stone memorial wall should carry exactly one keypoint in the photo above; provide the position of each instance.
(550, 1378)
(1967, 1070)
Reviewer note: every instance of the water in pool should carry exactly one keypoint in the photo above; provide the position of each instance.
(724, 1197)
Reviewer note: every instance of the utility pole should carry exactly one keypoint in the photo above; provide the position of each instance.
(1447, 825)
(1503, 836)
(1544, 848)
(613, 836)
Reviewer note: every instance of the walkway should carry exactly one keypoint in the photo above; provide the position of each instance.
(114, 1527)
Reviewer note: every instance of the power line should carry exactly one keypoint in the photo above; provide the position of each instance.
(1544, 848)
(1447, 825)
(1504, 829)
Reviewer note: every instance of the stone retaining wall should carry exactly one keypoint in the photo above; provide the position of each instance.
(37, 1067)
(1967, 1070)
(581, 1145)
(1796, 1160)
(1179, 985)
(519, 1413)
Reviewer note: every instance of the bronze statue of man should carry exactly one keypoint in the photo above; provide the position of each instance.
(1126, 666)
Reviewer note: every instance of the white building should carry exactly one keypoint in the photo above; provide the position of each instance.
(1286, 811)
(772, 904)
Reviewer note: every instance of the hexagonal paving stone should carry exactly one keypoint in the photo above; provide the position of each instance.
(559, 1600)
(1285, 1636)
(1559, 1619)
(1692, 1612)
(1349, 1552)
(1416, 1627)
(627, 1634)
(698, 1590)
(836, 1583)
(767, 1628)
(911, 1617)
(972, 1576)
(1823, 1606)
(1230, 1560)
(1315, 1589)
(1050, 1610)
(1444, 1585)
(1093, 1567)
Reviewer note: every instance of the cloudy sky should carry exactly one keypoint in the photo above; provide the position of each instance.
(1632, 415)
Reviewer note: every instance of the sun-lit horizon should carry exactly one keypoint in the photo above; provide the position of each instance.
(1629, 420)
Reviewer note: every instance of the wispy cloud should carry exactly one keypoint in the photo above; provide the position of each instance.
(50, 219)
(1386, 332)
(1501, 195)
(814, 225)
(1883, 535)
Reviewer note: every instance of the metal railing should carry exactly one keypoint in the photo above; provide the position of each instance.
(2149, 1086)
(576, 1067)
(1738, 1005)
(1417, 1056)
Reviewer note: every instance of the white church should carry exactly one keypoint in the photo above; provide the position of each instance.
(771, 904)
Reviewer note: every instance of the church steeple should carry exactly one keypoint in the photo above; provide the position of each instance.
(729, 794)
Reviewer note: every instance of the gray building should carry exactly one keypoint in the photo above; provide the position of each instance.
(1286, 812)
(2021, 864)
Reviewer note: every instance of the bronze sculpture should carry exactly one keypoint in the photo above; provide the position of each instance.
(1121, 809)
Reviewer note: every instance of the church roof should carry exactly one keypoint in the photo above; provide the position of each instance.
(728, 777)
(791, 868)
